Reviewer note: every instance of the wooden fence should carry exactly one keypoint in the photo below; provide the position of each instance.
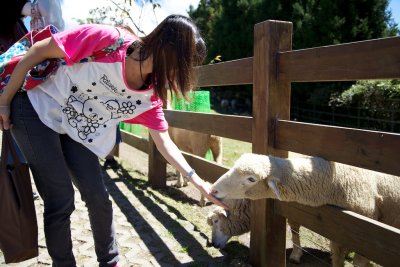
(271, 70)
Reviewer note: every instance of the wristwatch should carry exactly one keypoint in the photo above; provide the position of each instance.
(190, 174)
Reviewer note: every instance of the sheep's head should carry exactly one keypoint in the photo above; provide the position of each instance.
(220, 235)
(250, 177)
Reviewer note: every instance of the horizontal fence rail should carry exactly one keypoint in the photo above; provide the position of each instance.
(345, 62)
(135, 141)
(233, 72)
(208, 170)
(233, 127)
(362, 148)
(378, 241)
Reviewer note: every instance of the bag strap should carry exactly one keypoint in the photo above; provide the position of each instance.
(4, 152)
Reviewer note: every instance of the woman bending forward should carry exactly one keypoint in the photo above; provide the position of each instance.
(65, 123)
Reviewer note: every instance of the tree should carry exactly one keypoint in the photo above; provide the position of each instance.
(228, 24)
(204, 16)
(228, 29)
(377, 100)
(119, 13)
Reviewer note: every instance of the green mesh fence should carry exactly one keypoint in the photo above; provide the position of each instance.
(132, 128)
(199, 101)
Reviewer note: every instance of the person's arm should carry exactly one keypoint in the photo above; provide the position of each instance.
(174, 156)
(39, 52)
(26, 9)
(52, 13)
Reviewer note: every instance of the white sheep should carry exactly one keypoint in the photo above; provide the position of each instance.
(236, 221)
(314, 182)
(228, 223)
(197, 144)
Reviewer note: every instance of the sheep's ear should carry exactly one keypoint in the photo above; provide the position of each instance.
(272, 183)
(221, 212)
(209, 219)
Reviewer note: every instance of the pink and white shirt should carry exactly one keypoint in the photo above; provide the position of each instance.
(88, 100)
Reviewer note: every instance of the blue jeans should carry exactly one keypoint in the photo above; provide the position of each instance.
(56, 162)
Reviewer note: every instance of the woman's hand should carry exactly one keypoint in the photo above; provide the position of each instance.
(4, 114)
(205, 189)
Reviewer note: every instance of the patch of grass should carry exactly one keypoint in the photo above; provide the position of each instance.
(232, 149)
(184, 250)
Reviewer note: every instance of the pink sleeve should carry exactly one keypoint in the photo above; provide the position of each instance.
(82, 41)
(153, 118)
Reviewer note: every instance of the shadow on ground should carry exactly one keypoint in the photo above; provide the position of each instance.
(170, 218)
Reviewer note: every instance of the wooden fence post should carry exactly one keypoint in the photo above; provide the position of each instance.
(271, 99)
(157, 167)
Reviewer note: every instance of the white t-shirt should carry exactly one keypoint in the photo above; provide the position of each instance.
(88, 100)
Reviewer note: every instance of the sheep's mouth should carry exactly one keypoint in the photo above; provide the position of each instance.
(219, 198)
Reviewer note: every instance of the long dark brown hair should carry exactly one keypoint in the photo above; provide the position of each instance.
(176, 47)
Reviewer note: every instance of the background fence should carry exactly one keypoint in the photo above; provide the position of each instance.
(384, 119)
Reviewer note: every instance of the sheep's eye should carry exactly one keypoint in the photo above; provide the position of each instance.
(216, 221)
(251, 179)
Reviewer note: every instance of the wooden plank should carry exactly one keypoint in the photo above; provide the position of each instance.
(157, 166)
(233, 72)
(207, 170)
(372, 59)
(135, 141)
(116, 151)
(372, 150)
(271, 97)
(377, 241)
(234, 127)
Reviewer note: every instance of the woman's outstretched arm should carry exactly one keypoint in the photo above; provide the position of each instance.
(174, 156)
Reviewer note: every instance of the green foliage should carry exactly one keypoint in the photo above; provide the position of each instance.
(228, 27)
(377, 100)
(102, 15)
(228, 24)
(204, 16)
(326, 22)
(117, 13)
(374, 94)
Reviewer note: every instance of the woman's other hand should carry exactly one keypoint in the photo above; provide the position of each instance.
(4, 114)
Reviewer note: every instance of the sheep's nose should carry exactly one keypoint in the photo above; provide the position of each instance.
(214, 192)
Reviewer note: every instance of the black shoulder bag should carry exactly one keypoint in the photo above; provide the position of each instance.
(18, 223)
